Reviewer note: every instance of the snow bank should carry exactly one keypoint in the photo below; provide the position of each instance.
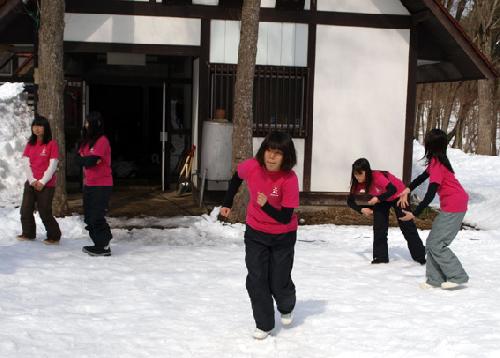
(15, 120)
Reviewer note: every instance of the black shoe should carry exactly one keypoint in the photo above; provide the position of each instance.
(380, 261)
(97, 251)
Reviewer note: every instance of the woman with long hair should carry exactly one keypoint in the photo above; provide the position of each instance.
(40, 158)
(443, 269)
(95, 157)
(384, 189)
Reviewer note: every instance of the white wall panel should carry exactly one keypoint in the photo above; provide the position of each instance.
(301, 40)
(231, 43)
(217, 50)
(274, 44)
(279, 44)
(287, 44)
(132, 29)
(262, 43)
(360, 94)
(393, 7)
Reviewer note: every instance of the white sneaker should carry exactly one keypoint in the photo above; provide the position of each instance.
(260, 334)
(286, 319)
(426, 286)
(448, 285)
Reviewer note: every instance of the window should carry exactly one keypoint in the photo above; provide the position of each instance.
(279, 97)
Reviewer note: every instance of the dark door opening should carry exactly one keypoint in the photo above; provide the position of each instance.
(133, 117)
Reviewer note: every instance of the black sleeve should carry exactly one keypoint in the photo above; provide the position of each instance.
(418, 180)
(352, 203)
(283, 216)
(234, 185)
(90, 161)
(390, 190)
(431, 193)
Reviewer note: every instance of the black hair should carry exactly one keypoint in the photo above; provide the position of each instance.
(436, 144)
(94, 131)
(279, 141)
(47, 132)
(361, 165)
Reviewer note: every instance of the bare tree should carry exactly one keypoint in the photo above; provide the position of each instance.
(51, 86)
(486, 14)
(243, 98)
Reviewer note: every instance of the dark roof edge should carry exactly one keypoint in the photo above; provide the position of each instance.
(463, 40)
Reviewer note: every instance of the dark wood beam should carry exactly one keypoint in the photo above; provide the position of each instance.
(98, 47)
(411, 99)
(227, 13)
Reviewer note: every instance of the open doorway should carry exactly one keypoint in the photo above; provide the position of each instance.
(134, 124)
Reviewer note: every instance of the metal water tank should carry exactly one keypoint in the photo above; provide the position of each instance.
(216, 149)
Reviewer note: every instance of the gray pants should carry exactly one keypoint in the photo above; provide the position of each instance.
(442, 264)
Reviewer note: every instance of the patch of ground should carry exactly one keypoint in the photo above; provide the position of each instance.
(139, 201)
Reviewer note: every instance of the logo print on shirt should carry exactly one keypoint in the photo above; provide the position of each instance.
(275, 191)
(44, 152)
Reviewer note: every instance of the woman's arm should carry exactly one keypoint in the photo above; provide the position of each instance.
(49, 172)
(284, 215)
(27, 169)
(234, 185)
(351, 202)
(418, 180)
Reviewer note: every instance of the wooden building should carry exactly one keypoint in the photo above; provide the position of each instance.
(339, 75)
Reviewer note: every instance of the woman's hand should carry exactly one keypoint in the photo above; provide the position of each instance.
(225, 211)
(408, 216)
(261, 199)
(367, 212)
(403, 198)
(38, 186)
(374, 201)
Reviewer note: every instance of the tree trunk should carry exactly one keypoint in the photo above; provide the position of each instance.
(485, 120)
(243, 98)
(51, 87)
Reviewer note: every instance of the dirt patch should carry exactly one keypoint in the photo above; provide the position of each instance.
(342, 215)
(143, 201)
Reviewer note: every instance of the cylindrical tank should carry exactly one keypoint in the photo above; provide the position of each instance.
(216, 149)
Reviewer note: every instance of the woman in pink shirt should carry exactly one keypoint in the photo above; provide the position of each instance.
(443, 268)
(95, 157)
(384, 189)
(271, 228)
(41, 157)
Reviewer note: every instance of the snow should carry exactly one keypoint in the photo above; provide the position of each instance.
(180, 291)
(15, 120)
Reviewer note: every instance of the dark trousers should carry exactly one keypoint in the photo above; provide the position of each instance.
(43, 201)
(380, 228)
(95, 205)
(269, 261)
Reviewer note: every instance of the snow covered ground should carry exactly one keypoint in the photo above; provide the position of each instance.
(180, 292)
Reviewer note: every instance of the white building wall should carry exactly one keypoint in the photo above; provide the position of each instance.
(360, 94)
(131, 29)
(279, 44)
(392, 7)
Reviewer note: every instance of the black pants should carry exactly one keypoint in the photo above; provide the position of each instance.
(95, 205)
(380, 228)
(43, 200)
(269, 261)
